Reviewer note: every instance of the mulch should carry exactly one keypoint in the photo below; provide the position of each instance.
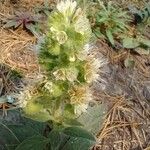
(126, 91)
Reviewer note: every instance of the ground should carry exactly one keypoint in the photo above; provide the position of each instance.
(125, 91)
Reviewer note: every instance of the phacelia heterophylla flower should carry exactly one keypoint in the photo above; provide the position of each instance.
(92, 67)
(68, 67)
(67, 8)
(80, 96)
(69, 74)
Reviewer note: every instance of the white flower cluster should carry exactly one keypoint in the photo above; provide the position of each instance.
(67, 7)
(75, 69)
(92, 67)
(80, 98)
(66, 73)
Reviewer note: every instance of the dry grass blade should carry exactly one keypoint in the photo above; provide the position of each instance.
(15, 52)
(119, 125)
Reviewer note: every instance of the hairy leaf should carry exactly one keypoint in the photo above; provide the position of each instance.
(93, 118)
(33, 143)
(72, 138)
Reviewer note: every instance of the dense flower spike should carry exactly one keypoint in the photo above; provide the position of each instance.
(65, 92)
(67, 8)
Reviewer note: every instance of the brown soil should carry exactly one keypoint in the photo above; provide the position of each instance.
(127, 95)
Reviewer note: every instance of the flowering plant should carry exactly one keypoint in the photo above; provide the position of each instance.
(63, 92)
(60, 95)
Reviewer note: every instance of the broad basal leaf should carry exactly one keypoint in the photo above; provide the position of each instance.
(78, 144)
(93, 118)
(78, 132)
(72, 138)
(33, 143)
(12, 134)
(57, 140)
(79, 139)
(28, 129)
(7, 137)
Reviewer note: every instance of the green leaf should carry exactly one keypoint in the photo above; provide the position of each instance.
(129, 63)
(71, 122)
(57, 139)
(11, 23)
(33, 143)
(81, 74)
(12, 134)
(72, 138)
(23, 132)
(142, 51)
(31, 28)
(130, 43)
(77, 132)
(78, 139)
(28, 129)
(69, 111)
(36, 111)
(78, 144)
(39, 127)
(40, 116)
(98, 34)
(92, 119)
(7, 137)
(145, 42)
(100, 19)
(110, 37)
